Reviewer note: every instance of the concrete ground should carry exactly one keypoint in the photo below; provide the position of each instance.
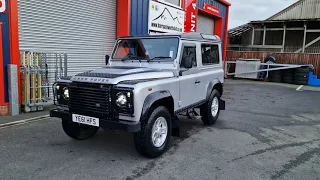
(267, 132)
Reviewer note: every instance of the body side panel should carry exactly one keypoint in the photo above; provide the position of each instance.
(142, 91)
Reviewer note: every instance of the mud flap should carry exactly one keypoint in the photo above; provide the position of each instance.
(175, 126)
(222, 105)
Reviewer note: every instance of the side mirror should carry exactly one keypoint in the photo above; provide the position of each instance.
(107, 59)
(187, 62)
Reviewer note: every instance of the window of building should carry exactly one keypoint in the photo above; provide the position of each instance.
(210, 54)
(191, 52)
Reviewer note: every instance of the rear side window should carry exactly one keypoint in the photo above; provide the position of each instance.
(210, 54)
(190, 51)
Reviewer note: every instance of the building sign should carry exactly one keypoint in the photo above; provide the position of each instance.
(211, 9)
(2, 6)
(164, 18)
(190, 23)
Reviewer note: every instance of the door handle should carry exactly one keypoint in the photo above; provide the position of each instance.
(197, 82)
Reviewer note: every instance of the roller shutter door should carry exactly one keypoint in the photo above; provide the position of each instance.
(85, 30)
(205, 24)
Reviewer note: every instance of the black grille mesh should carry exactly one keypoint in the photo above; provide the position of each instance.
(90, 100)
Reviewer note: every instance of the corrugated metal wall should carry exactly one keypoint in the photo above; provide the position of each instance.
(307, 9)
(223, 12)
(282, 58)
(139, 17)
(205, 24)
(85, 30)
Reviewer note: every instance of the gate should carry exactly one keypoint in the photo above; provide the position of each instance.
(38, 71)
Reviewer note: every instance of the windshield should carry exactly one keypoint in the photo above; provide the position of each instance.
(146, 49)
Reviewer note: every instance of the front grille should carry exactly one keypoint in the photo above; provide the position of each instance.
(90, 100)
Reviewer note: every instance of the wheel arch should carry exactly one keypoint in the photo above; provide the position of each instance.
(215, 84)
(163, 98)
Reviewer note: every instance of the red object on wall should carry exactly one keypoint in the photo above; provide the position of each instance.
(14, 38)
(123, 18)
(2, 101)
(191, 15)
(211, 9)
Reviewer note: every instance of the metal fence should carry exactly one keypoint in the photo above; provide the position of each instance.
(38, 71)
(281, 58)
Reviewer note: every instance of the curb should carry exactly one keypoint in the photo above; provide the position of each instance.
(23, 121)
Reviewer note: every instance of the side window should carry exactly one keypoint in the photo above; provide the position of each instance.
(210, 54)
(190, 51)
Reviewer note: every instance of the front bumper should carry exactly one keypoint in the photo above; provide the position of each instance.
(118, 125)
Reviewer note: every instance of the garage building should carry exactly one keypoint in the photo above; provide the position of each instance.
(86, 30)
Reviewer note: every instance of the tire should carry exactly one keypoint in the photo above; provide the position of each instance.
(302, 70)
(79, 131)
(143, 140)
(276, 76)
(301, 75)
(287, 80)
(288, 72)
(287, 76)
(301, 79)
(208, 116)
(301, 82)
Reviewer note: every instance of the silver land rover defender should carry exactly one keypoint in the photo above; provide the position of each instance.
(146, 83)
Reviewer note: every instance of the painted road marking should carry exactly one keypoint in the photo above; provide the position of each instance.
(14, 123)
(299, 88)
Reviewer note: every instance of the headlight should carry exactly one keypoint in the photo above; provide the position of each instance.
(66, 93)
(121, 100)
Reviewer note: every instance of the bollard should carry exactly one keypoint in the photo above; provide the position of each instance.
(13, 89)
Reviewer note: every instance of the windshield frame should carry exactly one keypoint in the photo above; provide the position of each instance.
(116, 46)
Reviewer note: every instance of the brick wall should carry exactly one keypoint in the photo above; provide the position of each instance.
(4, 110)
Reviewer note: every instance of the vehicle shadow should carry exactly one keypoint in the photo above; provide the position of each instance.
(117, 142)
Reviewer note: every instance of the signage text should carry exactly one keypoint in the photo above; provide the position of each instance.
(211, 9)
(190, 23)
(165, 19)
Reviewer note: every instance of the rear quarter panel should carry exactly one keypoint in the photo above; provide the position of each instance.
(210, 74)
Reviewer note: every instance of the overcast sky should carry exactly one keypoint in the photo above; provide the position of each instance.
(244, 11)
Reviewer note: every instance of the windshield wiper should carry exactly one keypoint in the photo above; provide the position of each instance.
(160, 57)
(128, 57)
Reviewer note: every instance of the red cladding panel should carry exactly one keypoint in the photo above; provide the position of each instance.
(14, 37)
(218, 24)
(225, 2)
(226, 35)
(123, 18)
(190, 23)
(2, 101)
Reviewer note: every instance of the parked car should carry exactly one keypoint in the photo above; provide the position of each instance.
(146, 83)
